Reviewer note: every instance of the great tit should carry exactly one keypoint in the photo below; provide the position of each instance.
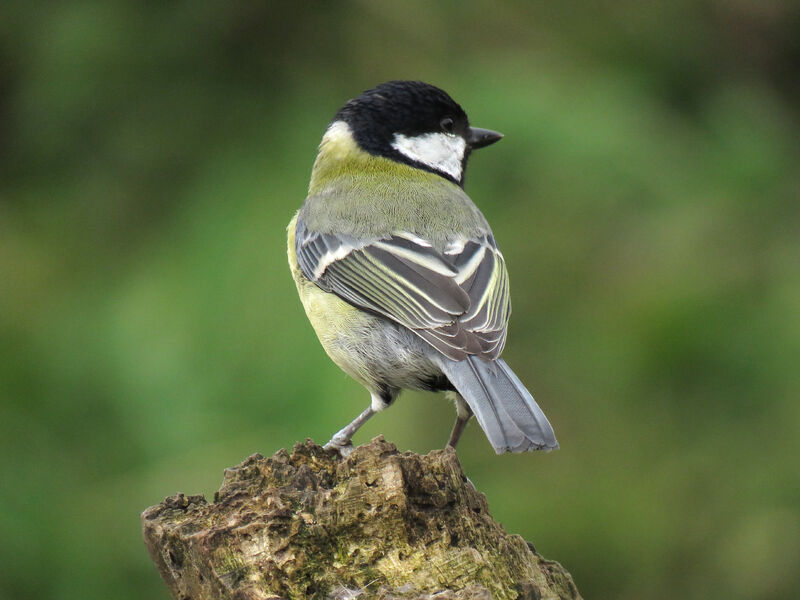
(398, 270)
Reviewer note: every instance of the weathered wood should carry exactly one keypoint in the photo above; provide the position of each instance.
(379, 524)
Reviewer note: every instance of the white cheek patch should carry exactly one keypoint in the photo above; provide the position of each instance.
(440, 151)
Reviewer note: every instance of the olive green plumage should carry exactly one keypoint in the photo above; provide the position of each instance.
(354, 193)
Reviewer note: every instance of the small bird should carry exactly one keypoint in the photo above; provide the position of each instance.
(398, 270)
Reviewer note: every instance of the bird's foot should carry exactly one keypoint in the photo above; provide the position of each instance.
(343, 447)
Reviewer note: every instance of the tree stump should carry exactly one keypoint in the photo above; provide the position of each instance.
(378, 524)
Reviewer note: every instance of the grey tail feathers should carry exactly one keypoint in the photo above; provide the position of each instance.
(505, 409)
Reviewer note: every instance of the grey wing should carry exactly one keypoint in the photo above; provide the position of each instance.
(457, 301)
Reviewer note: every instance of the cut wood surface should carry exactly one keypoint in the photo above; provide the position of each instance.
(378, 524)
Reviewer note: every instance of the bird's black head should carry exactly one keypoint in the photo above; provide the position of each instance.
(417, 124)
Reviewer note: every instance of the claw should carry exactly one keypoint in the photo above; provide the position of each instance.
(341, 441)
(342, 447)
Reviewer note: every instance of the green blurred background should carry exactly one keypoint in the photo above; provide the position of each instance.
(646, 197)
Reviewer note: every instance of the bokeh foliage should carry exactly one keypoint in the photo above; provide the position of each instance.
(646, 197)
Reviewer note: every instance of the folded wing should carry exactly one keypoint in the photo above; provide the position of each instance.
(456, 300)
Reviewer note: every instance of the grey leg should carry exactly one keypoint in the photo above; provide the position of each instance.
(341, 439)
(463, 414)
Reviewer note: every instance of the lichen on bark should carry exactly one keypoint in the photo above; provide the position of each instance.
(378, 524)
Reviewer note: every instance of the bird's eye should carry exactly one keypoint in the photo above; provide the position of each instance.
(447, 125)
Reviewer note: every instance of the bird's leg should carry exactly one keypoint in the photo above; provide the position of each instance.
(463, 414)
(341, 439)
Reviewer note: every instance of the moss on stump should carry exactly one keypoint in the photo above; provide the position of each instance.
(379, 524)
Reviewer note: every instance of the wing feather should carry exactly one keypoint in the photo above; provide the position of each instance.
(456, 301)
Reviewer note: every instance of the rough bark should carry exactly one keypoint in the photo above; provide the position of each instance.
(379, 524)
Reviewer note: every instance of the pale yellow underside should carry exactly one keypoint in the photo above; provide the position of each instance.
(333, 319)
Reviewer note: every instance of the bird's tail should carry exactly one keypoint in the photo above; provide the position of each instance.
(505, 409)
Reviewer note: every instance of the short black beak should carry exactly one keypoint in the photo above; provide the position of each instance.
(478, 138)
